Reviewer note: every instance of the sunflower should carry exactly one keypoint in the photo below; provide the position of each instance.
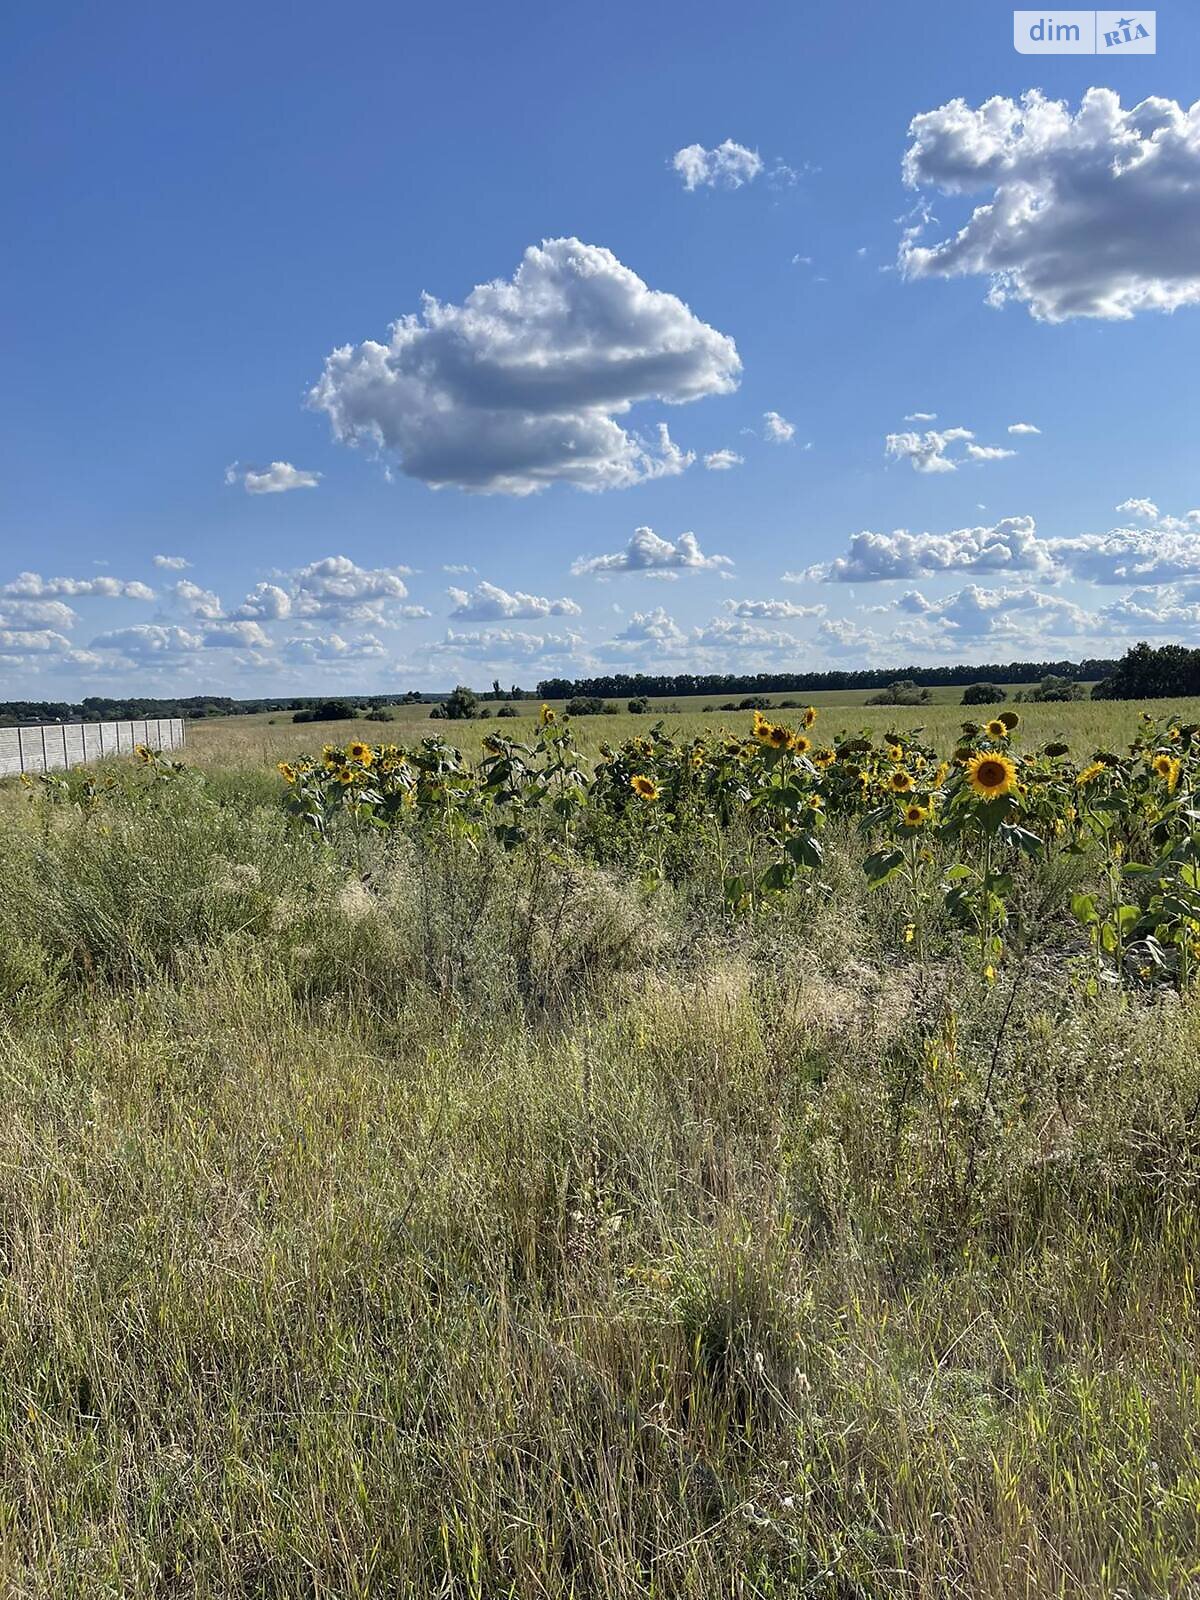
(900, 783)
(287, 772)
(942, 773)
(644, 786)
(144, 754)
(915, 815)
(1090, 774)
(810, 716)
(990, 776)
(546, 717)
(800, 744)
(775, 735)
(356, 750)
(331, 758)
(346, 775)
(997, 730)
(895, 751)
(824, 757)
(815, 803)
(1166, 768)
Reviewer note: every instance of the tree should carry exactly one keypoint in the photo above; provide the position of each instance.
(984, 694)
(904, 692)
(327, 711)
(638, 705)
(461, 705)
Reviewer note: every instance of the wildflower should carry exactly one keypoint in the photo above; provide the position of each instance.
(909, 932)
(815, 803)
(895, 751)
(356, 750)
(644, 786)
(1166, 768)
(800, 744)
(775, 735)
(346, 775)
(916, 815)
(287, 772)
(900, 783)
(990, 776)
(1089, 774)
(546, 717)
(997, 730)
(989, 973)
(810, 716)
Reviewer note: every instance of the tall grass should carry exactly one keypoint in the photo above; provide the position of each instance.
(383, 1220)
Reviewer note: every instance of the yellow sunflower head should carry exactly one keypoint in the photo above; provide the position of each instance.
(646, 787)
(356, 750)
(815, 803)
(331, 758)
(144, 754)
(900, 783)
(991, 775)
(997, 730)
(1166, 768)
(775, 735)
(824, 757)
(1090, 774)
(895, 751)
(915, 815)
(800, 744)
(287, 772)
(346, 775)
(810, 716)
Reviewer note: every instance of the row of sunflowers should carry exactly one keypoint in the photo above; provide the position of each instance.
(953, 836)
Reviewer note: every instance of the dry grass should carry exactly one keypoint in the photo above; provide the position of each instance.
(425, 1223)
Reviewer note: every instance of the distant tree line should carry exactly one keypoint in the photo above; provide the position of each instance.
(1147, 672)
(623, 686)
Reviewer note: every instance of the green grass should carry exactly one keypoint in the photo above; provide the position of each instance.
(386, 1218)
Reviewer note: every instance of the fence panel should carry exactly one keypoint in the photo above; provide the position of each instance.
(58, 745)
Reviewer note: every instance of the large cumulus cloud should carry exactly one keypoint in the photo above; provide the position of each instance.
(521, 385)
(1094, 213)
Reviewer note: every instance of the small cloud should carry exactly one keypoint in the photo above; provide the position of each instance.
(726, 166)
(278, 478)
(1023, 427)
(172, 563)
(653, 557)
(723, 460)
(921, 416)
(777, 429)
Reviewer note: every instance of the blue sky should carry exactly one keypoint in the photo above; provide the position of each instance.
(206, 204)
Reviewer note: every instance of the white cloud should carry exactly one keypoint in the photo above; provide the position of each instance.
(459, 568)
(507, 644)
(736, 634)
(1165, 553)
(921, 416)
(777, 429)
(172, 563)
(487, 602)
(148, 641)
(726, 166)
(653, 628)
(647, 553)
(1140, 508)
(266, 602)
(521, 385)
(311, 650)
(1023, 427)
(928, 451)
(335, 587)
(975, 613)
(1091, 214)
(200, 602)
(18, 642)
(22, 614)
(723, 460)
(777, 609)
(278, 478)
(988, 452)
(32, 586)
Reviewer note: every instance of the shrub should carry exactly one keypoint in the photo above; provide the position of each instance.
(983, 694)
(327, 711)
(904, 692)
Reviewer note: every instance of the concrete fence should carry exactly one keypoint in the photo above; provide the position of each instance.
(68, 744)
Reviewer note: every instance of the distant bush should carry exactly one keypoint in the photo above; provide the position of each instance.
(590, 706)
(327, 711)
(752, 702)
(459, 706)
(638, 705)
(904, 692)
(1053, 688)
(379, 716)
(507, 711)
(983, 694)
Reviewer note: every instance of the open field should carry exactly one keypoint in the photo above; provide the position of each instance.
(387, 1213)
(261, 740)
